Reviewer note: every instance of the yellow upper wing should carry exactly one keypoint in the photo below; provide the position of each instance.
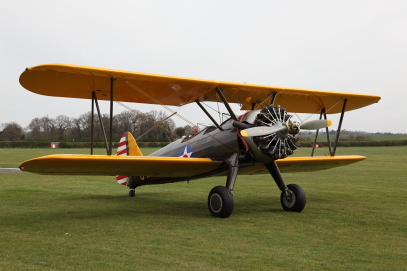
(63, 80)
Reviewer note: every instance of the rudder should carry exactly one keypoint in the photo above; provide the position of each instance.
(127, 147)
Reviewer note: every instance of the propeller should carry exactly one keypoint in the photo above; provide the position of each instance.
(286, 127)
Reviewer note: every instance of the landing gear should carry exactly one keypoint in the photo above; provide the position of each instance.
(292, 196)
(293, 199)
(220, 202)
(132, 183)
(220, 199)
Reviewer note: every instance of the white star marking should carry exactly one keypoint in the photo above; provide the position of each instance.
(186, 154)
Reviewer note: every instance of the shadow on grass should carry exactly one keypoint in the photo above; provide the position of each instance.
(168, 205)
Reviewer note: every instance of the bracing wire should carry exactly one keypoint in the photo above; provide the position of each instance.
(166, 107)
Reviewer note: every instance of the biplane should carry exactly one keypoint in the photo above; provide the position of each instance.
(257, 141)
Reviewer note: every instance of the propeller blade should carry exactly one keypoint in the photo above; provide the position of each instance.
(315, 124)
(266, 130)
(262, 130)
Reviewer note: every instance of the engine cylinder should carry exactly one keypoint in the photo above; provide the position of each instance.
(276, 145)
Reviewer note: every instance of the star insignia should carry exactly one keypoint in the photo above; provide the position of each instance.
(186, 154)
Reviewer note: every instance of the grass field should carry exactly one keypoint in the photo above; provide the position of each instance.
(355, 219)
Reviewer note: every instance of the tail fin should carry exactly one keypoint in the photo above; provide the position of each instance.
(127, 147)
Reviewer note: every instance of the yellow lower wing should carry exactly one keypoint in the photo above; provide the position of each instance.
(305, 164)
(66, 164)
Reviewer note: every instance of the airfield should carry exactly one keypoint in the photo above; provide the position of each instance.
(355, 219)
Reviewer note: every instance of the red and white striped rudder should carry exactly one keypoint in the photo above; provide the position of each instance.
(127, 147)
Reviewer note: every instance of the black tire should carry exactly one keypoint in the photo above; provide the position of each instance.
(132, 193)
(296, 202)
(220, 202)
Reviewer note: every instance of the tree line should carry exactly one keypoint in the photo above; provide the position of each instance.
(146, 127)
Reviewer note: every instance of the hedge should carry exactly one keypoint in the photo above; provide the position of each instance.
(24, 144)
(45, 144)
(381, 143)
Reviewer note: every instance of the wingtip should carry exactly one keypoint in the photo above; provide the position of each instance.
(328, 123)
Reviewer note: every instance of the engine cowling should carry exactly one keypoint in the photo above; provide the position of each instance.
(275, 145)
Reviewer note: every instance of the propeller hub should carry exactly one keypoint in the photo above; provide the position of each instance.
(293, 127)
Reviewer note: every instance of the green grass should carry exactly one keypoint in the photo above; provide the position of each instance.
(355, 219)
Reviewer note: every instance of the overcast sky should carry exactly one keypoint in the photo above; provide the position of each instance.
(344, 46)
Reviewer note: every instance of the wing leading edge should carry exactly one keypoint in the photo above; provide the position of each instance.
(74, 81)
(70, 164)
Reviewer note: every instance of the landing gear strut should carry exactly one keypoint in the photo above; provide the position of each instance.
(132, 184)
(292, 196)
(220, 199)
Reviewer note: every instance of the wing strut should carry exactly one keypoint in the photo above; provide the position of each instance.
(100, 121)
(111, 116)
(323, 112)
(91, 124)
(209, 115)
(274, 98)
(338, 132)
(220, 93)
(109, 146)
(327, 135)
(316, 135)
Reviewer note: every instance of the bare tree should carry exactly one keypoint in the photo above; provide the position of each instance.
(48, 126)
(35, 129)
(154, 126)
(75, 132)
(128, 121)
(83, 123)
(62, 123)
(11, 132)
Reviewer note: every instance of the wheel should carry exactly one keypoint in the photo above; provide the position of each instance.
(220, 202)
(132, 193)
(295, 202)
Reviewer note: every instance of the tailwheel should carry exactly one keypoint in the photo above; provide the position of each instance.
(294, 199)
(132, 192)
(220, 202)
